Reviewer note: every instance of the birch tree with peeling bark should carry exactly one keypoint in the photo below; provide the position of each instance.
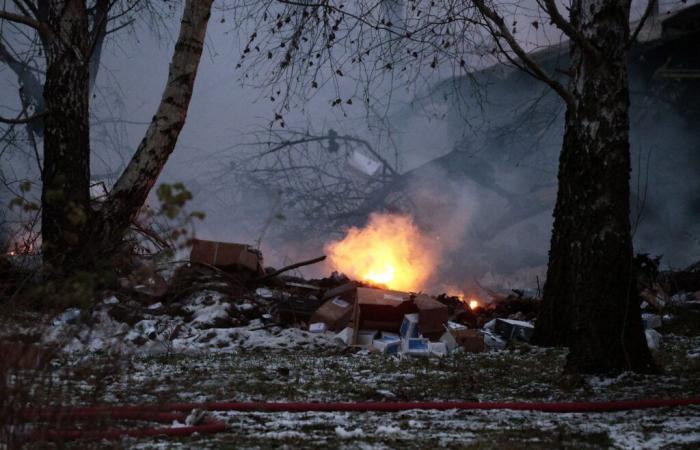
(590, 299)
(74, 234)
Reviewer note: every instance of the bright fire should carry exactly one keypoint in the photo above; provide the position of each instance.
(453, 291)
(390, 251)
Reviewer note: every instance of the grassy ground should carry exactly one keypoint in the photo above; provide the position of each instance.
(519, 373)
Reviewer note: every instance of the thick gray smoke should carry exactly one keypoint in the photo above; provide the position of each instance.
(476, 160)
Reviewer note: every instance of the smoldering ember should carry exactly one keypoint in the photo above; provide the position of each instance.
(368, 224)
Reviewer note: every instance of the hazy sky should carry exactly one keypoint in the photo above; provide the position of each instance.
(223, 112)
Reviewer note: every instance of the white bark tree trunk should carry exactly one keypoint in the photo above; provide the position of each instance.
(590, 299)
(134, 184)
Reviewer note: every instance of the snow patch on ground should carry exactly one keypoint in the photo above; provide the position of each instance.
(205, 330)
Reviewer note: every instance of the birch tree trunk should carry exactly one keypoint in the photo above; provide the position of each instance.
(65, 193)
(590, 299)
(134, 184)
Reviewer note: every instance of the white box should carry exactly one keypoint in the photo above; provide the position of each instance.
(344, 337)
(415, 346)
(387, 345)
(409, 326)
(318, 327)
(363, 164)
(365, 337)
(437, 348)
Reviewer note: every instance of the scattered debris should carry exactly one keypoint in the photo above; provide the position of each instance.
(651, 320)
(335, 314)
(363, 164)
(226, 256)
(653, 339)
(514, 329)
(223, 300)
(432, 316)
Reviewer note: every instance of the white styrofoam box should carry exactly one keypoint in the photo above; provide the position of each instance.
(449, 341)
(365, 337)
(318, 327)
(364, 164)
(415, 346)
(493, 342)
(387, 345)
(344, 337)
(455, 326)
(437, 348)
(388, 335)
(409, 326)
(653, 339)
(651, 320)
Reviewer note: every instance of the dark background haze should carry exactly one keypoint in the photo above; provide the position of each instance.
(508, 138)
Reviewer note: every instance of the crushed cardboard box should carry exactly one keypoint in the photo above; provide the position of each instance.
(381, 309)
(336, 313)
(472, 341)
(432, 316)
(226, 256)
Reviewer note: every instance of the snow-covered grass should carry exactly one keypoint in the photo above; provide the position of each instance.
(189, 357)
(518, 373)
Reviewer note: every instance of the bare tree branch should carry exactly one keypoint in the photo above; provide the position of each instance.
(19, 121)
(648, 12)
(534, 68)
(564, 25)
(41, 27)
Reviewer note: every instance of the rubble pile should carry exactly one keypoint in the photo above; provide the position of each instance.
(223, 299)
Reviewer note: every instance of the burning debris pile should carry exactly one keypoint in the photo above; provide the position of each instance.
(224, 299)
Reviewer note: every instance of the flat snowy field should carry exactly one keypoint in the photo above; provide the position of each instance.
(309, 372)
(193, 353)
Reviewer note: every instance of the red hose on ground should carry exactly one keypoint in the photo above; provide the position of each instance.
(164, 413)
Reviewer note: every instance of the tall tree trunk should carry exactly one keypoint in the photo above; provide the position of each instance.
(134, 184)
(66, 180)
(590, 299)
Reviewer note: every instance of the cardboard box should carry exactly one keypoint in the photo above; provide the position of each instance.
(336, 313)
(381, 309)
(432, 316)
(292, 310)
(345, 291)
(226, 256)
(472, 341)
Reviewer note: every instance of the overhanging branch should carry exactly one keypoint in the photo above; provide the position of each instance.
(19, 121)
(533, 68)
(41, 27)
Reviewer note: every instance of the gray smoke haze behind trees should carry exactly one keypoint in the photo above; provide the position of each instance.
(419, 124)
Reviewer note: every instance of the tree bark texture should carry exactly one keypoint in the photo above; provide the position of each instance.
(134, 184)
(590, 299)
(66, 179)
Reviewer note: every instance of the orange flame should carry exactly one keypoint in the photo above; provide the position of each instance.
(471, 302)
(389, 251)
